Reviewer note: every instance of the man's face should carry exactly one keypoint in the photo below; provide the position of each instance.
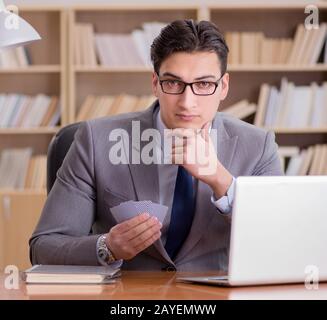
(188, 110)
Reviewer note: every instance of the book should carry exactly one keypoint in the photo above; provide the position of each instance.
(121, 49)
(22, 111)
(262, 102)
(14, 58)
(13, 167)
(292, 106)
(241, 109)
(295, 164)
(70, 274)
(306, 161)
(102, 106)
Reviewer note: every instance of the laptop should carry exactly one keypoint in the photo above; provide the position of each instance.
(278, 232)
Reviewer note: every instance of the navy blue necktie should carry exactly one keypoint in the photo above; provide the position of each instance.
(182, 212)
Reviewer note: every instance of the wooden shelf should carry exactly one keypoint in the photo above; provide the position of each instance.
(277, 68)
(33, 69)
(10, 192)
(259, 5)
(298, 130)
(132, 7)
(231, 68)
(24, 131)
(104, 69)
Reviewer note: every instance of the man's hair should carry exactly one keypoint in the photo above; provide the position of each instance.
(189, 36)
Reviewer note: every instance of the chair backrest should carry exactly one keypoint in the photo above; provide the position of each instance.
(57, 151)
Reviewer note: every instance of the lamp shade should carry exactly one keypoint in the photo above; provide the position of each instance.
(14, 30)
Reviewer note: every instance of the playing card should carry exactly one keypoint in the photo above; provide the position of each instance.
(142, 206)
(159, 211)
(129, 209)
(123, 211)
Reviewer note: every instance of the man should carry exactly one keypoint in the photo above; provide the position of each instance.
(189, 80)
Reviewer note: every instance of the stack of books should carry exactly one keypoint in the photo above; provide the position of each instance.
(14, 58)
(310, 161)
(20, 170)
(285, 153)
(292, 106)
(114, 49)
(255, 48)
(21, 111)
(102, 106)
(241, 109)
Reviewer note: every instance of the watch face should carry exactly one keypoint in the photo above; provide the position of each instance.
(103, 254)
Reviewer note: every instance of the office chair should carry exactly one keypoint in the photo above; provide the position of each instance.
(57, 151)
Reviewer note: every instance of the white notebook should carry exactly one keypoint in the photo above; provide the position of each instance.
(70, 274)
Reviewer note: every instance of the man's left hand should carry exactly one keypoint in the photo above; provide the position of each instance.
(194, 150)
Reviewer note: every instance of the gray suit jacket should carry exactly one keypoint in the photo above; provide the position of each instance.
(77, 210)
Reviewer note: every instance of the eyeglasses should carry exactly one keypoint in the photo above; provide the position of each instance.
(199, 88)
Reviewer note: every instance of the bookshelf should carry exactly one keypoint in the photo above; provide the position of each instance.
(47, 74)
(275, 20)
(54, 71)
(103, 80)
(20, 209)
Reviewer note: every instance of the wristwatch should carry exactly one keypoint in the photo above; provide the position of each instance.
(103, 251)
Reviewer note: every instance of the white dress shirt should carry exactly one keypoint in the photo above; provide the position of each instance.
(167, 177)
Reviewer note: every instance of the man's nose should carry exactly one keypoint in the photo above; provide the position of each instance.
(188, 98)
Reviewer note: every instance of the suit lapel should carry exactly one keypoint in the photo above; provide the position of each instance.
(205, 210)
(145, 178)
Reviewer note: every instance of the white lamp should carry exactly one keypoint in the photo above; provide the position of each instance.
(12, 37)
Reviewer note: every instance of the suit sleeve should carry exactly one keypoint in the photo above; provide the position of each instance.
(269, 163)
(63, 234)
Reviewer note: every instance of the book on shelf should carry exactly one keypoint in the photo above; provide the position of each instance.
(255, 48)
(114, 49)
(84, 40)
(20, 170)
(103, 106)
(310, 161)
(292, 106)
(14, 58)
(68, 274)
(241, 109)
(308, 45)
(22, 111)
(13, 167)
(286, 152)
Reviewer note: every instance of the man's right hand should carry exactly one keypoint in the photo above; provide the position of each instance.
(127, 239)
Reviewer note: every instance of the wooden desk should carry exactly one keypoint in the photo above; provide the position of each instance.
(159, 286)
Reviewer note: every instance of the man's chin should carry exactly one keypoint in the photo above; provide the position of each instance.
(186, 125)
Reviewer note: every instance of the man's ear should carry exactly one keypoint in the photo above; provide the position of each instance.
(155, 84)
(224, 86)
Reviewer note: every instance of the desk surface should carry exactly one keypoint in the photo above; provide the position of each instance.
(159, 286)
